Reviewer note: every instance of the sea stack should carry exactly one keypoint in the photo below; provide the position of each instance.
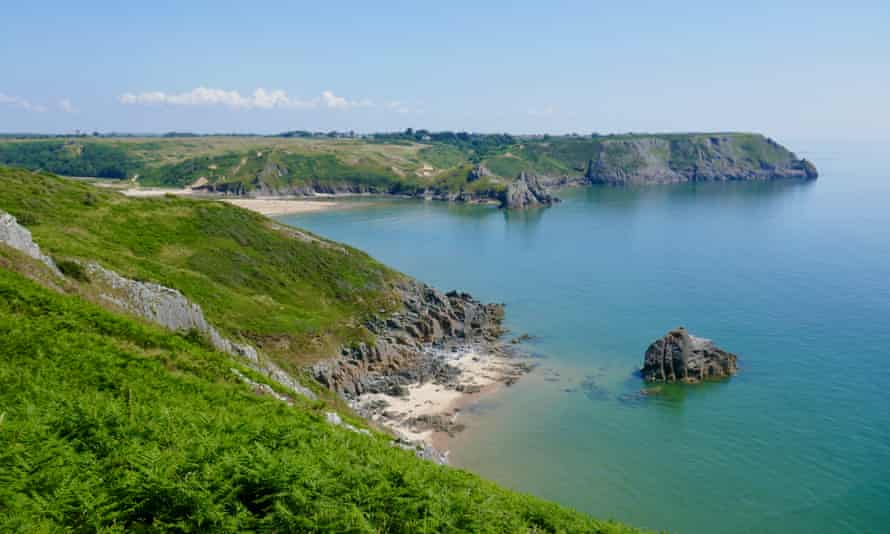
(526, 192)
(681, 357)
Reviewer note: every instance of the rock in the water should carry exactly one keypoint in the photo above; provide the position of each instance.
(526, 191)
(680, 357)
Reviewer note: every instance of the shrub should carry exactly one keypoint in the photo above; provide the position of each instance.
(73, 269)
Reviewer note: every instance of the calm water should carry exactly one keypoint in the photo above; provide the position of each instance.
(793, 277)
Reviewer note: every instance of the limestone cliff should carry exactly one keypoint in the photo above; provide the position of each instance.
(698, 158)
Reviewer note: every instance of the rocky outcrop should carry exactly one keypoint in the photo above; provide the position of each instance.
(402, 352)
(681, 357)
(694, 158)
(164, 306)
(16, 236)
(477, 172)
(525, 192)
(171, 309)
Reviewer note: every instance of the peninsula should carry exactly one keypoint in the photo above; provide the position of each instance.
(513, 171)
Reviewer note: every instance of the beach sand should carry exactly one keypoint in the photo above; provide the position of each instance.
(279, 206)
(481, 373)
(265, 206)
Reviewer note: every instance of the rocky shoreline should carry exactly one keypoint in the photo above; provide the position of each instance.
(427, 359)
(425, 414)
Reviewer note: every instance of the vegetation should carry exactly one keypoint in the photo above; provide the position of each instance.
(110, 425)
(295, 295)
(409, 162)
(69, 158)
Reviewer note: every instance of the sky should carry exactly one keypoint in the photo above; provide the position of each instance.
(799, 70)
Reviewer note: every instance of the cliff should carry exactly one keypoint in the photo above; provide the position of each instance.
(514, 171)
(697, 158)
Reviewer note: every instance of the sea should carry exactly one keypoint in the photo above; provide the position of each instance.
(792, 276)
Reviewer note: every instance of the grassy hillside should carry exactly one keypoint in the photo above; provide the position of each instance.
(110, 425)
(296, 296)
(406, 163)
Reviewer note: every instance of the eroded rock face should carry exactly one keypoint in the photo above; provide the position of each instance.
(527, 191)
(18, 237)
(171, 309)
(164, 306)
(401, 353)
(717, 158)
(681, 357)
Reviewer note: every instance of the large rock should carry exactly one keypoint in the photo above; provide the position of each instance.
(400, 354)
(171, 309)
(526, 191)
(18, 237)
(681, 357)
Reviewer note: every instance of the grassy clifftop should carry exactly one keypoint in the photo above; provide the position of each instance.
(404, 163)
(294, 295)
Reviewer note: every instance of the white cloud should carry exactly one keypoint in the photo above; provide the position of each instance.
(19, 102)
(260, 99)
(401, 107)
(66, 106)
(333, 101)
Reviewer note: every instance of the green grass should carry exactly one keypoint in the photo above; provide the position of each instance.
(296, 296)
(506, 165)
(443, 156)
(389, 164)
(110, 425)
(71, 158)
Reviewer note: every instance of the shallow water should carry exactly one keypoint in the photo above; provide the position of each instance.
(794, 277)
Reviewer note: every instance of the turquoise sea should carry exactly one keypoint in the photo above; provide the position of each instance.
(794, 277)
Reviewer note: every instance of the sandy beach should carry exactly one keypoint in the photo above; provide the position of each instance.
(146, 192)
(281, 206)
(429, 412)
(266, 206)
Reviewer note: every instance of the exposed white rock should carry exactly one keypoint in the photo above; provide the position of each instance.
(171, 309)
(264, 389)
(18, 237)
(164, 306)
(336, 420)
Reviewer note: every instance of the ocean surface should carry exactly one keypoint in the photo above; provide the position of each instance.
(794, 277)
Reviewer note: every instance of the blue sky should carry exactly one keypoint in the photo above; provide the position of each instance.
(801, 70)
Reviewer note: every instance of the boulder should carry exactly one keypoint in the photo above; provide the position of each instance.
(681, 357)
(526, 191)
(16, 236)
